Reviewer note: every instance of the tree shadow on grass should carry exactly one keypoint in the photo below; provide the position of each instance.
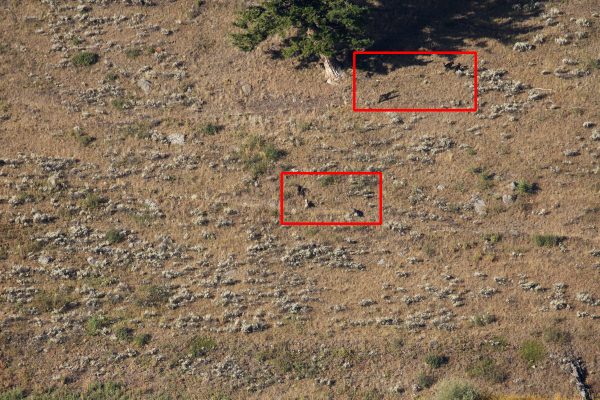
(405, 25)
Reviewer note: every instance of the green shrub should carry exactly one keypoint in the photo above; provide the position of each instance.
(483, 319)
(488, 370)
(258, 154)
(92, 201)
(548, 240)
(45, 302)
(201, 345)
(83, 138)
(492, 238)
(532, 351)
(138, 130)
(85, 59)
(124, 334)
(525, 187)
(12, 394)
(114, 236)
(154, 296)
(456, 390)
(211, 129)
(133, 52)
(436, 360)
(95, 324)
(425, 381)
(142, 339)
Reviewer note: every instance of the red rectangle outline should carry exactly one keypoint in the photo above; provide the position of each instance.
(281, 200)
(476, 81)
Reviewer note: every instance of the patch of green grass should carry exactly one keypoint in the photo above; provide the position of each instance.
(492, 238)
(485, 177)
(488, 369)
(124, 333)
(133, 52)
(328, 180)
(532, 351)
(96, 391)
(548, 240)
(425, 381)
(555, 335)
(95, 324)
(524, 187)
(12, 394)
(3, 253)
(121, 103)
(154, 296)
(85, 59)
(201, 345)
(483, 319)
(258, 155)
(45, 301)
(114, 236)
(211, 129)
(92, 201)
(83, 138)
(592, 63)
(436, 360)
(142, 339)
(138, 130)
(458, 390)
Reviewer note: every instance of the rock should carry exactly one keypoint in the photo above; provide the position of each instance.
(480, 206)
(246, 89)
(145, 85)
(523, 46)
(509, 199)
(596, 134)
(571, 153)
(176, 138)
(589, 125)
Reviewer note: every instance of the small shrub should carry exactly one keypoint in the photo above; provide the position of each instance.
(95, 324)
(525, 187)
(548, 240)
(425, 381)
(92, 201)
(328, 180)
(483, 319)
(83, 138)
(111, 77)
(436, 360)
(154, 296)
(55, 301)
(492, 238)
(488, 370)
(114, 236)
(554, 335)
(201, 345)
(142, 339)
(133, 52)
(485, 177)
(120, 103)
(3, 253)
(12, 394)
(138, 130)
(532, 352)
(258, 154)
(211, 129)
(85, 59)
(124, 334)
(456, 390)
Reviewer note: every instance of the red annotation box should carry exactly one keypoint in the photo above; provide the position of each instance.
(355, 108)
(283, 174)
